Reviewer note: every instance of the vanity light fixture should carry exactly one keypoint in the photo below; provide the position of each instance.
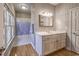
(46, 13)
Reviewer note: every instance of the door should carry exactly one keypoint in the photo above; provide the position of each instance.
(75, 30)
(9, 25)
(7, 22)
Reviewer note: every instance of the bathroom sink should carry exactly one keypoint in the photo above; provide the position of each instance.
(50, 32)
(42, 33)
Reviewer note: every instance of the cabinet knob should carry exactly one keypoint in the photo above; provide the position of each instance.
(56, 40)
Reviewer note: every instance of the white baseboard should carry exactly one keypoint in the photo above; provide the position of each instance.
(32, 45)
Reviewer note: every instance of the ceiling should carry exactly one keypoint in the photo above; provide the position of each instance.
(54, 4)
(18, 7)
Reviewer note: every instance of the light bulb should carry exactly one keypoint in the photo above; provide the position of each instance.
(23, 7)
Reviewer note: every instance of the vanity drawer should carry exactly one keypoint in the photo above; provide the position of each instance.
(63, 35)
(59, 43)
(51, 37)
(46, 47)
(52, 46)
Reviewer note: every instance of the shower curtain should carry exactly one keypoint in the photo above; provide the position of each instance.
(22, 32)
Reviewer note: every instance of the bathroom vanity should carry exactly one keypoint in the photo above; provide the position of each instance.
(48, 42)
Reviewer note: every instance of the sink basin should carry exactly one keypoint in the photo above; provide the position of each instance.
(42, 33)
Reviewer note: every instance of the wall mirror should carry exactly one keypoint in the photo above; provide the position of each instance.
(46, 20)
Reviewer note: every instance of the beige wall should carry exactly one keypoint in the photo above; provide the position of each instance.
(36, 9)
(1, 26)
(60, 19)
(61, 16)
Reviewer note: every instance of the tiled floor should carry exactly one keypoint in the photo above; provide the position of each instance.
(27, 50)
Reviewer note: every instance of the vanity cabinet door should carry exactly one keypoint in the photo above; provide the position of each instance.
(60, 41)
(57, 45)
(63, 40)
(46, 46)
(52, 45)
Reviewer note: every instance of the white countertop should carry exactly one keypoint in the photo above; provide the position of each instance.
(49, 32)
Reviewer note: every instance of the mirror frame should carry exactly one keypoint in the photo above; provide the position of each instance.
(46, 26)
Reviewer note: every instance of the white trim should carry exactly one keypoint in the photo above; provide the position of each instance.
(33, 46)
(3, 54)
